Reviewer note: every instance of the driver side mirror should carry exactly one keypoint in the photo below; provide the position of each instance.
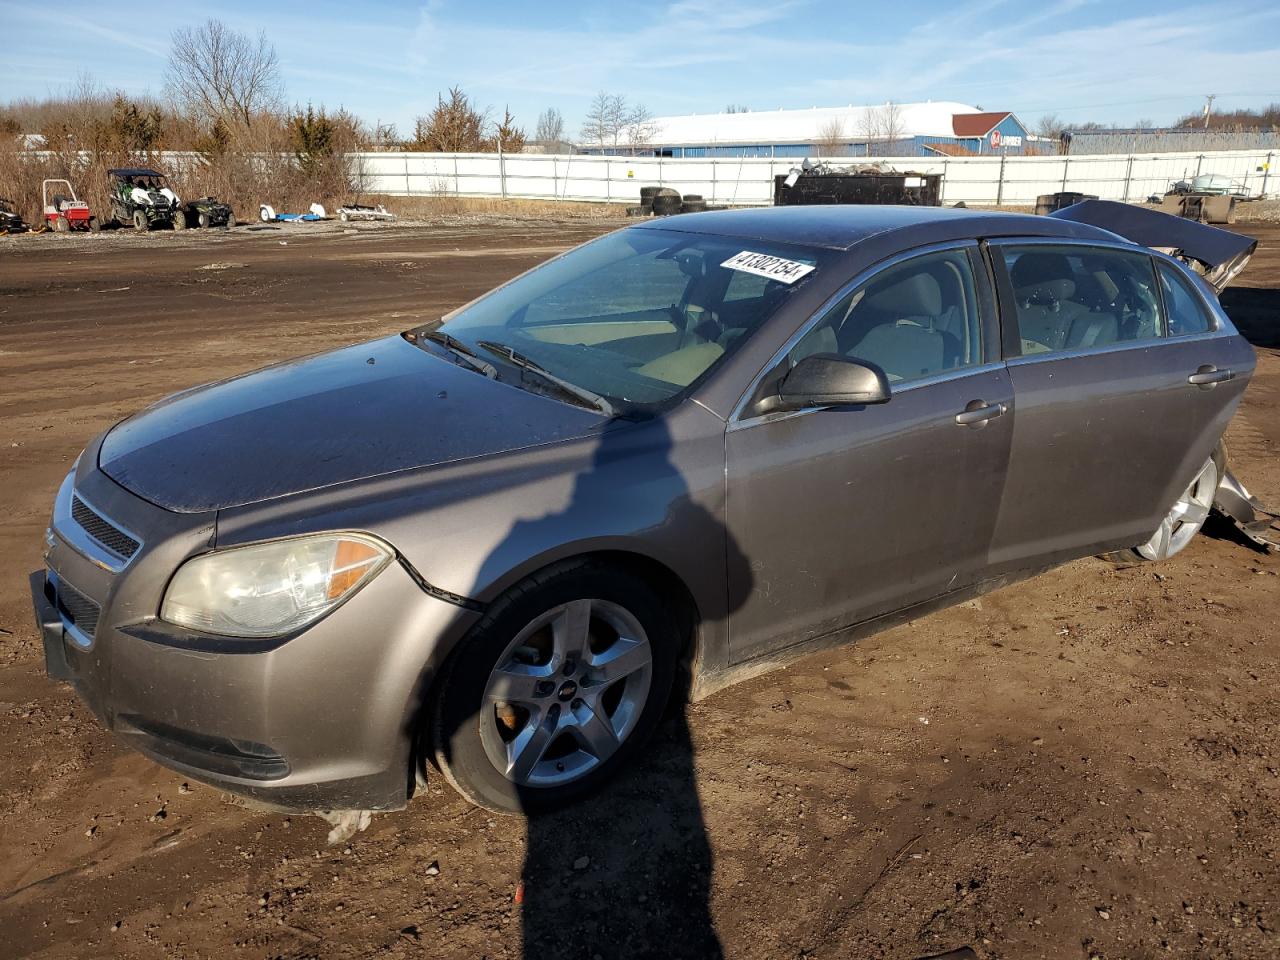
(830, 380)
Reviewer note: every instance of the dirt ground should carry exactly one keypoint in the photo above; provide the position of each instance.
(1082, 765)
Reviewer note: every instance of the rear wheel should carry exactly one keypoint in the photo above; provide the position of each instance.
(179, 220)
(62, 225)
(94, 225)
(1184, 519)
(202, 220)
(555, 689)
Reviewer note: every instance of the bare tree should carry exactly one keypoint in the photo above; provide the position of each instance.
(611, 121)
(892, 124)
(832, 139)
(639, 126)
(216, 73)
(597, 125)
(550, 129)
(869, 128)
(1050, 126)
(882, 128)
(737, 108)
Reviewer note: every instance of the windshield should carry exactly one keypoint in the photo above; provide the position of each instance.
(635, 318)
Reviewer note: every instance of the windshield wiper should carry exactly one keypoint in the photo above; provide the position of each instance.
(582, 394)
(462, 352)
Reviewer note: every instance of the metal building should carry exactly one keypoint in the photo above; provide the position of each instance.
(894, 129)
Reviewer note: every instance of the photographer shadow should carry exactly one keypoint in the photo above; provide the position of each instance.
(627, 871)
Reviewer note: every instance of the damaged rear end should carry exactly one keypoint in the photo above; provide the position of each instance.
(1217, 256)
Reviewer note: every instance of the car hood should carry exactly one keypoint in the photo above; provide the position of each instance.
(358, 412)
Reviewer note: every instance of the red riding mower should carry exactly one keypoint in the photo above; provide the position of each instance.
(62, 211)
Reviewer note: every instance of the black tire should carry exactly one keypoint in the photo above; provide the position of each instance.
(1129, 557)
(454, 738)
(667, 192)
(94, 225)
(202, 220)
(179, 220)
(692, 197)
(693, 206)
(140, 221)
(62, 225)
(664, 204)
(648, 193)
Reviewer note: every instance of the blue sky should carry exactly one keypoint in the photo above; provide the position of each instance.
(1108, 60)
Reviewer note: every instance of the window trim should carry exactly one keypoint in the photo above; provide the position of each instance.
(987, 306)
(1011, 332)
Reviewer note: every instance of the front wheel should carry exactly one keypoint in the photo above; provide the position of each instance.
(556, 689)
(140, 222)
(179, 220)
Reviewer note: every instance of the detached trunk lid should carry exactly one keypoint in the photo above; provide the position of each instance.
(1220, 254)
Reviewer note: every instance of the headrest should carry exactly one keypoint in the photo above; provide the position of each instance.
(915, 296)
(1032, 268)
(1046, 291)
(1043, 276)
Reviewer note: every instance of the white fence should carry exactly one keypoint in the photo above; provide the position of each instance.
(747, 181)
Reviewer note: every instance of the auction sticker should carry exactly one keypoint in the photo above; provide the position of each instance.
(764, 265)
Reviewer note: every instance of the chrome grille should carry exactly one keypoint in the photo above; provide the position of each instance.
(79, 611)
(102, 530)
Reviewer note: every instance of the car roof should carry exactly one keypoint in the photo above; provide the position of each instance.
(844, 226)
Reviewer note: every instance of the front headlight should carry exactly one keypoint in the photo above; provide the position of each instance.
(271, 589)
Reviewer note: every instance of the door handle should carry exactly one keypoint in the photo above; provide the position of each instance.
(977, 412)
(1208, 375)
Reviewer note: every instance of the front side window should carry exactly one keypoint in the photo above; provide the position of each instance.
(1186, 312)
(636, 317)
(1077, 298)
(913, 319)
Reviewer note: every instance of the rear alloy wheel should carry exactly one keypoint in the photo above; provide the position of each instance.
(1185, 519)
(547, 698)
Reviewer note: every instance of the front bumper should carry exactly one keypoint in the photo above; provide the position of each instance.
(325, 719)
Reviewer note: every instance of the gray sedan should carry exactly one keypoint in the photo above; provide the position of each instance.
(674, 457)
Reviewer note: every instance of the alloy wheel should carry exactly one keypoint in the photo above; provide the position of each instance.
(566, 693)
(1186, 518)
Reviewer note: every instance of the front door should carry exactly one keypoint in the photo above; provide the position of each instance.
(844, 514)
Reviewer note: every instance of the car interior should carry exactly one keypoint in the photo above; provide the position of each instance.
(1070, 300)
(914, 320)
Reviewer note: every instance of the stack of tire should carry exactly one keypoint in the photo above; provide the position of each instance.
(663, 202)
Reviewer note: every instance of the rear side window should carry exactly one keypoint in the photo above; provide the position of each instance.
(1080, 298)
(1185, 311)
(913, 319)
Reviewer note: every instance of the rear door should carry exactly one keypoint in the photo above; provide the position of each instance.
(849, 513)
(1110, 424)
